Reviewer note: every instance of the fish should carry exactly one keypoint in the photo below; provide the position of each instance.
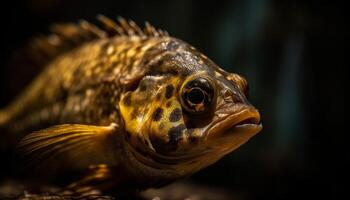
(119, 106)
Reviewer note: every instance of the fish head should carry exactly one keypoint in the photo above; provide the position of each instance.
(187, 112)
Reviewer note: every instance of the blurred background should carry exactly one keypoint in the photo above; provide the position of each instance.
(291, 52)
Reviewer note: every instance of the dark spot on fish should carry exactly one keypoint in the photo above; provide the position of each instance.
(175, 115)
(160, 62)
(192, 140)
(142, 87)
(169, 90)
(168, 104)
(138, 48)
(157, 114)
(175, 133)
(174, 72)
(161, 126)
(158, 97)
(134, 113)
(155, 64)
(127, 100)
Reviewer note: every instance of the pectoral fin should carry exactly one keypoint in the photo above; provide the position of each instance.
(67, 147)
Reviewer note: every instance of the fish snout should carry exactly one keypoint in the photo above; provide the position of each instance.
(234, 118)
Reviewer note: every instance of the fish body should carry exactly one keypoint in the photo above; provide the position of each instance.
(130, 107)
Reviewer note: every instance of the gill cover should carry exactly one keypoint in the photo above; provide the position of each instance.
(153, 115)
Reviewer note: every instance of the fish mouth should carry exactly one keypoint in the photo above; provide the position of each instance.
(246, 121)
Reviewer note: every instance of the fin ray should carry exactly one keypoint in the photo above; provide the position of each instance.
(67, 36)
(68, 147)
(64, 37)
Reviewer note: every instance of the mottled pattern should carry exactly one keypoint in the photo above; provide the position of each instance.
(151, 108)
(169, 91)
(175, 115)
(157, 114)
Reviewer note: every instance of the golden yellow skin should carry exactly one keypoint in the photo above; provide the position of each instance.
(69, 89)
(136, 109)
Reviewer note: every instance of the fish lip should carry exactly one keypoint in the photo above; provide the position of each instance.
(247, 119)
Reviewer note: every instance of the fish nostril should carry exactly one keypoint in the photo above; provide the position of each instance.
(227, 93)
(228, 96)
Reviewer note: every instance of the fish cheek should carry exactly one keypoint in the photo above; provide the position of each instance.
(135, 107)
(167, 127)
(130, 112)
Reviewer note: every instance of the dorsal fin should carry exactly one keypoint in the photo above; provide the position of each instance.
(65, 37)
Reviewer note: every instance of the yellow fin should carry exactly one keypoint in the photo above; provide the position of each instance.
(68, 147)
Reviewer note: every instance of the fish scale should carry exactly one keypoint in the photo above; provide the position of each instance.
(83, 69)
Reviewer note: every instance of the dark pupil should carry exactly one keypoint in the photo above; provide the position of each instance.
(195, 96)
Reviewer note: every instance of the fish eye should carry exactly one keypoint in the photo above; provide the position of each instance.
(197, 95)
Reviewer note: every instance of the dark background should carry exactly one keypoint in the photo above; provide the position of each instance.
(291, 52)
